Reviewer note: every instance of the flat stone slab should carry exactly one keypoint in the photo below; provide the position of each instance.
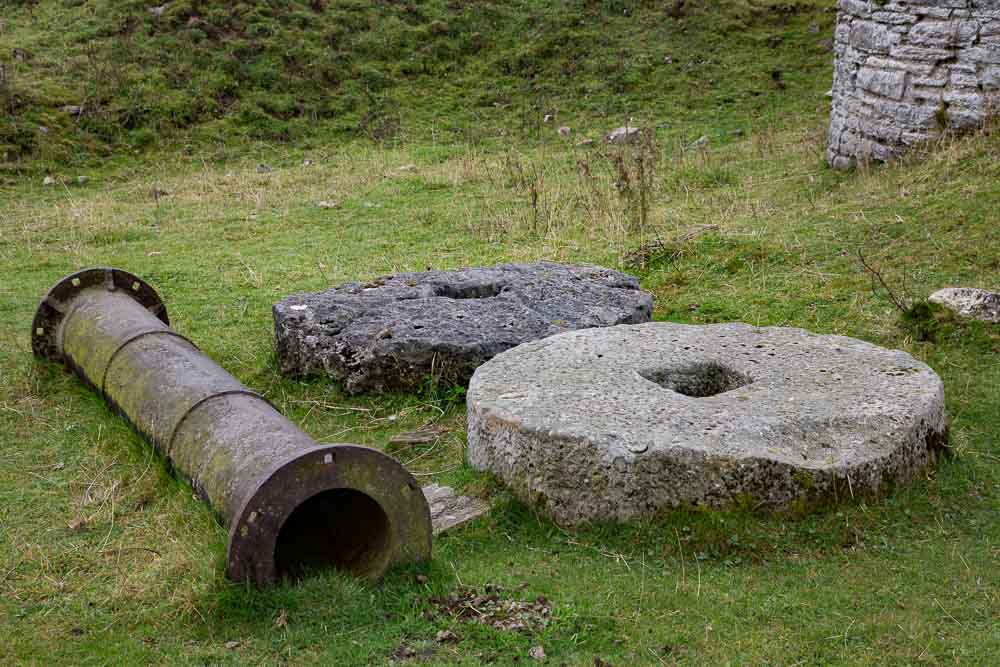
(978, 304)
(621, 423)
(398, 331)
(450, 510)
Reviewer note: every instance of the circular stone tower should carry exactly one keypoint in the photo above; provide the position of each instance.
(907, 71)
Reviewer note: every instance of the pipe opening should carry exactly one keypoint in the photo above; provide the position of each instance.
(342, 529)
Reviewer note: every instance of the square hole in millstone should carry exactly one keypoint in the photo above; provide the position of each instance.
(469, 291)
(699, 379)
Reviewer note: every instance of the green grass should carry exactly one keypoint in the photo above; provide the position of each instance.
(104, 558)
(225, 76)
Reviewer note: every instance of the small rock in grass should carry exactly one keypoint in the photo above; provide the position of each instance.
(404, 651)
(565, 131)
(72, 109)
(446, 637)
(307, 163)
(971, 302)
(408, 167)
(48, 181)
(158, 11)
(700, 142)
(450, 510)
(82, 180)
(232, 645)
(624, 135)
(328, 204)
(78, 525)
(537, 653)
(264, 169)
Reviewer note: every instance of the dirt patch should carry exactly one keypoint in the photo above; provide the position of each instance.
(496, 607)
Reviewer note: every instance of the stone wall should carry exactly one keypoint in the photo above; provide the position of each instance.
(906, 71)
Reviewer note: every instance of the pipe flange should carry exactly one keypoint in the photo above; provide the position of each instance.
(363, 513)
(55, 304)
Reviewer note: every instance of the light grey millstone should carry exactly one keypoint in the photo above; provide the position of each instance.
(621, 423)
(969, 302)
(398, 331)
(450, 510)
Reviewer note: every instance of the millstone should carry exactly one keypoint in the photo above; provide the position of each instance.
(621, 423)
(400, 331)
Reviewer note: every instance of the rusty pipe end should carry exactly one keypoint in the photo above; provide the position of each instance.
(58, 302)
(343, 506)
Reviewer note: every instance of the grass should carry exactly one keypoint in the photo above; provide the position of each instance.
(105, 558)
(231, 77)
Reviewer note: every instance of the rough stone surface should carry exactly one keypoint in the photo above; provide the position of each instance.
(970, 302)
(449, 510)
(624, 135)
(621, 423)
(398, 331)
(906, 71)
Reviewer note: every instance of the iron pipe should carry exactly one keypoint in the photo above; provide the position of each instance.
(289, 503)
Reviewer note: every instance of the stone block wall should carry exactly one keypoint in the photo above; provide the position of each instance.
(906, 71)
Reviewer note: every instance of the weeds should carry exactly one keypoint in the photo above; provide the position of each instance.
(634, 172)
(381, 122)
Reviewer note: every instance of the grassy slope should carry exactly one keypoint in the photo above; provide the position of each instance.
(105, 558)
(204, 73)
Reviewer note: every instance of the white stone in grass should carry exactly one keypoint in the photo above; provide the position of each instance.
(622, 423)
(450, 510)
(971, 302)
(624, 135)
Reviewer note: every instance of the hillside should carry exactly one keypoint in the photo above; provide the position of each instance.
(86, 80)
(235, 153)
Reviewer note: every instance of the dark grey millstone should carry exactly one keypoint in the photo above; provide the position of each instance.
(394, 333)
(971, 302)
(621, 423)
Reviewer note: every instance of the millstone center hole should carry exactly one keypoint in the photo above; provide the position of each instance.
(342, 529)
(469, 291)
(698, 380)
